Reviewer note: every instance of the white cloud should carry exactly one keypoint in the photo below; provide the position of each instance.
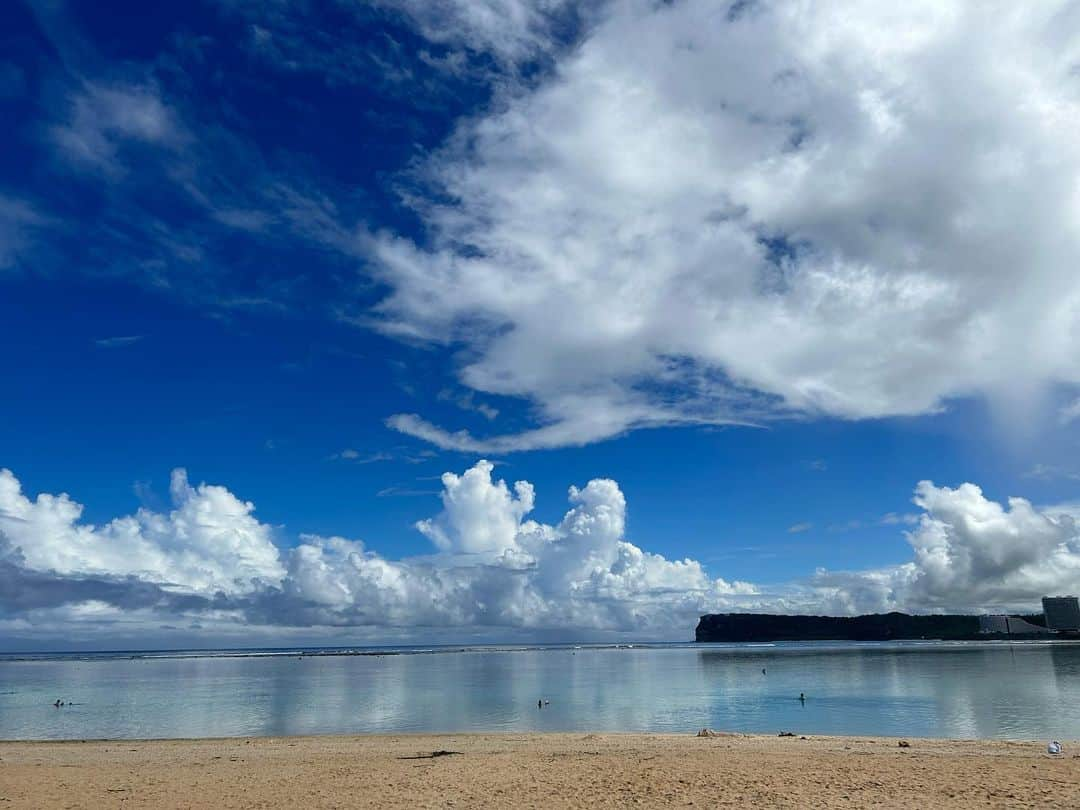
(497, 568)
(210, 561)
(18, 220)
(896, 519)
(119, 342)
(855, 210)
(970, 553)
(355, 456)
(401, 491)
(478, 516)
(210, 557)
(103, 118)
(1070, 412)
(468, 402)
(798, 528)
(209, 542)
(1049, 472)
(510, 30)
(968, 547)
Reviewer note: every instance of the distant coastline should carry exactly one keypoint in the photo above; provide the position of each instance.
(764, 627)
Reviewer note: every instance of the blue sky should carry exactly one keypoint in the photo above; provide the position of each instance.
(320, 253)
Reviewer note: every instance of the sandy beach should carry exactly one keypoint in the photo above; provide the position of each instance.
(537, 770)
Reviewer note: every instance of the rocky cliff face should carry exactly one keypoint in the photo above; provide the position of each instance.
(874, 627)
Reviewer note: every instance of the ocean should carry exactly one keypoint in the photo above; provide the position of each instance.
(1028, 690)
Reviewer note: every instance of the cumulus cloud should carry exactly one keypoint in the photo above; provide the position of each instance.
(970, 553)
(210, 542)
(710, 214)
(478, 515)
(493, 567)
(208, 560)
(497, 568)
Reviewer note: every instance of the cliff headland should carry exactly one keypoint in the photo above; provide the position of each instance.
(761, 627)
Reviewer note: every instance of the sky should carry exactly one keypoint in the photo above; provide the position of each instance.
(352, 322)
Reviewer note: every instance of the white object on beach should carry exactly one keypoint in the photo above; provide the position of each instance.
(1054, 748)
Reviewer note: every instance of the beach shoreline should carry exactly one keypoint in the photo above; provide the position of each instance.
(571, 770)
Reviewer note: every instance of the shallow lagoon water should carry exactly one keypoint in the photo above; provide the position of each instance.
(919, 689)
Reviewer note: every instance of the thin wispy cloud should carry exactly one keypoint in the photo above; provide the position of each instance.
(404, 492)
(467, 401)
(20, 222)
(102, 119)
(1051, 472)
(118, 342)
(898, 519)
(852, 525)
(1070, 412)
(356, 457)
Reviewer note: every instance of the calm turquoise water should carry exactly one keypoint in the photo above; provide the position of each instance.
(1018, 691)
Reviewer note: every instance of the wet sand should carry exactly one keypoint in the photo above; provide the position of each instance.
(537, 770)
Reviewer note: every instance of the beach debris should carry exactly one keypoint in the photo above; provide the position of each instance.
(786, 734)
(903, 744)
(707, 732)
(1054, 747)
(433, 755)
